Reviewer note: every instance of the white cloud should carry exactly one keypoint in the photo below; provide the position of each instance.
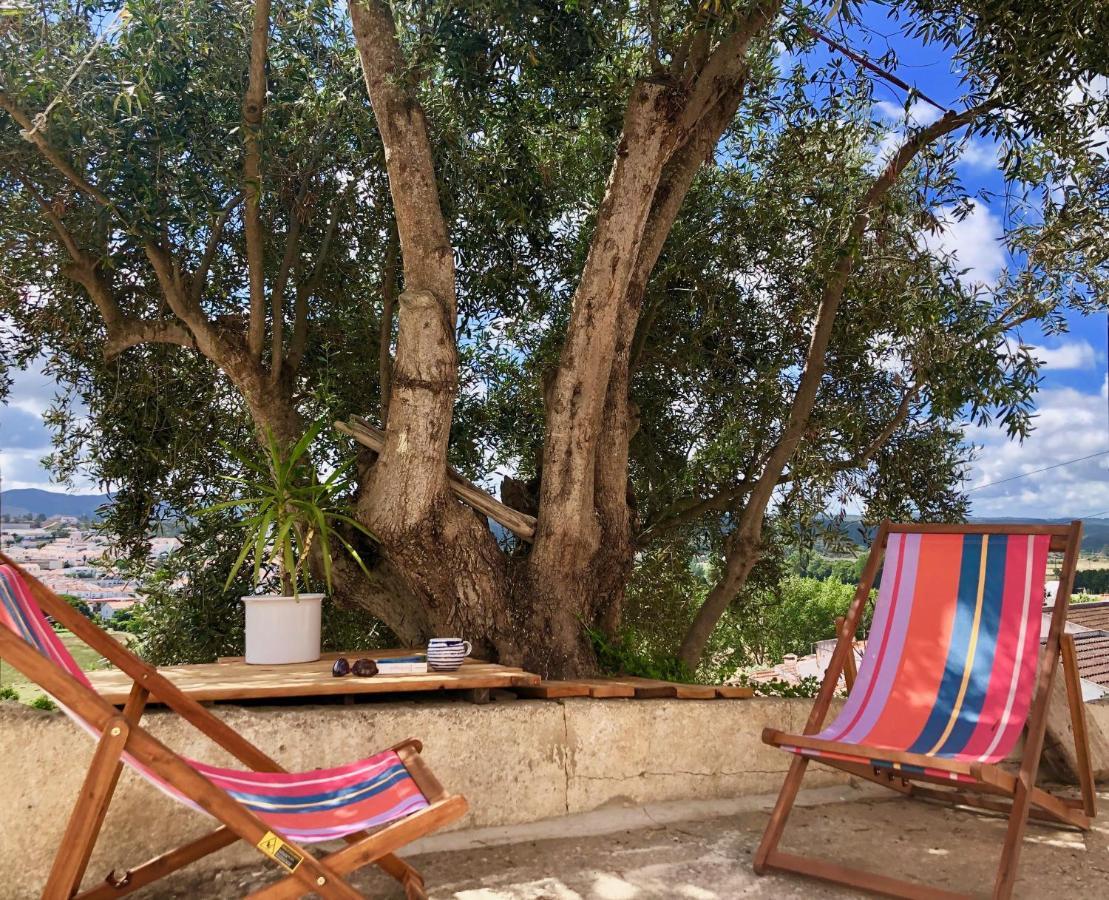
(1070, 424)
(31, 390)
(24, 436)
(919, 113)
(974, 242)
(1068, 355)
(980, 156)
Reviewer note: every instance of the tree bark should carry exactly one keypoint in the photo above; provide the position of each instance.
(446, 553)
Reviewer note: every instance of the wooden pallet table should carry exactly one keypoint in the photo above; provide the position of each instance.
(629, 686)
(233, 679)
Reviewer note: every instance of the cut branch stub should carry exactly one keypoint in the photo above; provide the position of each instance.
(520, 524)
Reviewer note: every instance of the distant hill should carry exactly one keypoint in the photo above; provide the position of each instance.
(32, 501)
(1095, 532)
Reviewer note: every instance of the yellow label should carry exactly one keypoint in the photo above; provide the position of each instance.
(277, 850)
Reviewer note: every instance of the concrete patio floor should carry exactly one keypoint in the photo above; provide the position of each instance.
(702, 851)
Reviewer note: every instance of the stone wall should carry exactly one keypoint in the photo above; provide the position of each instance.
(516, 761)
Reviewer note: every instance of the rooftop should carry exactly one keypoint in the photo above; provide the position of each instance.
(1090, 615)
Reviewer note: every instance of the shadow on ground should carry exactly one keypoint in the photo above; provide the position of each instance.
(710, 858)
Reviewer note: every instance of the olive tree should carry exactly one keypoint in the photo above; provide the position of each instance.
(610, 246)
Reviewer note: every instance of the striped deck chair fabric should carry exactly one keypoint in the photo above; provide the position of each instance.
(307, 807)
(950, 663)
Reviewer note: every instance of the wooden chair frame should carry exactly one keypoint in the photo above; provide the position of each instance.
(1017, 796)
(121, 732)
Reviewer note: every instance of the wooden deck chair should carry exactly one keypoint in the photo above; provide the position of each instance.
(950, 677)
(376, 805)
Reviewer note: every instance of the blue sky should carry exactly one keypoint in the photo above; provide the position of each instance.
(1072, 406)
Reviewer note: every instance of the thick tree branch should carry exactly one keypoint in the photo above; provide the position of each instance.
(846, 255)
(65, 238)
(288, 261)
(254, 103)
(425, 245)
(408, 485)
(669, 130)
(690, 509)
(715, 78)
(122, 331)
(132, 332)
(182, 304)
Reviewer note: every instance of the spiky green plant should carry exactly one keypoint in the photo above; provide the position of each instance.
(287, 510)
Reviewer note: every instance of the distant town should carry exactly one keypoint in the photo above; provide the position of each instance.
(63, 551)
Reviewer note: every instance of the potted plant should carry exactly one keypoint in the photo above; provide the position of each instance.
(288, 510)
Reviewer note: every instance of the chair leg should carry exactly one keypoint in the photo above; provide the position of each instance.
(411, 880)
(1077, 707)
(85, 820)
(778, 817)
(1014, 840)
(160, 866)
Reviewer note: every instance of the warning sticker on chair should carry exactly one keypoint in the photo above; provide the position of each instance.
(277, 850)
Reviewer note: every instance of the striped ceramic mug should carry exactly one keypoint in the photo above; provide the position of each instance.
(446, 654)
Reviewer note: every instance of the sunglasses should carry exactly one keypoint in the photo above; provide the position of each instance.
(362, 668)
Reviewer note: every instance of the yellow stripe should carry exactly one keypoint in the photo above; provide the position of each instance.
(970, 649)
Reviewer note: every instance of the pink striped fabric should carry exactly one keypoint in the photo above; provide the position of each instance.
(306, 807)
(950, 662)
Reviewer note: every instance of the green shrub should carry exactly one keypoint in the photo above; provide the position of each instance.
(1096, 581)
(7, 692)
(808, 686)
(43, 702)
(78, 604)
(628, 655)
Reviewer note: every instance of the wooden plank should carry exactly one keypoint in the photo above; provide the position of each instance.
(553, 690)
(628, 686)
(602, 688)
(238, 681)
(923, 760)
(352, 655)
(734, 692)
(520, 524)
(132, 714)
(850, 669)
(653, 687)
(1060, 534)
(646, 689)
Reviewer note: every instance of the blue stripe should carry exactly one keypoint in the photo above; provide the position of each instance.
(967, 600)
(982, 664)
(327, 800)
(18, 614)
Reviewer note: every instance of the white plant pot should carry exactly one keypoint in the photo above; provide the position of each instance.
(282, 629)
